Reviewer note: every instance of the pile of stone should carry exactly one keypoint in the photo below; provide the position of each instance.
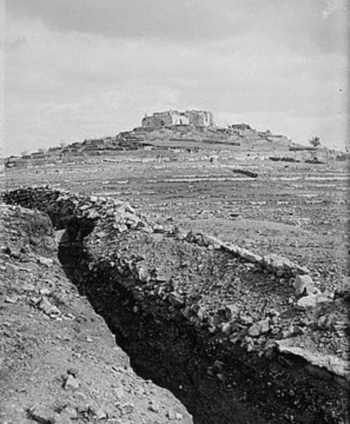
(62, 206)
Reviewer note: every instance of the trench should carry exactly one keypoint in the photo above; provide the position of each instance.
(171, 353)
(219, 382)
(216, 384)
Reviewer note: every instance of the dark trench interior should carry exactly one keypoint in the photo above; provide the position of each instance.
(215, 386)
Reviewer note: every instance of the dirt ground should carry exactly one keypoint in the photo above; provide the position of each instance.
(59, 362)
(298, 210)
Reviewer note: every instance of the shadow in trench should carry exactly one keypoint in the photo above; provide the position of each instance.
(168, 351)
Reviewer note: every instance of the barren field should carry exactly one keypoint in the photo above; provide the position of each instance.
(298, 210)
(229, 333)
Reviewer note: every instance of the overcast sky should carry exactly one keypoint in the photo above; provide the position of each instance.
(83, 68)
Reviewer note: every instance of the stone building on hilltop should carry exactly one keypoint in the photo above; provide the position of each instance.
(200, 118)
(165, 119)
(197, 118)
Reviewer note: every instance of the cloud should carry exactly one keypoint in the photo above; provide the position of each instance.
(333, 7)
(71, 74)
(137, 18)
(299, 26)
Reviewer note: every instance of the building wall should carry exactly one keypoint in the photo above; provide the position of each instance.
(200, 118)
(174, 117)
(157, 120)
(179, 118)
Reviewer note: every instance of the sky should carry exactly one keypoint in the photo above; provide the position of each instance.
(91, 68)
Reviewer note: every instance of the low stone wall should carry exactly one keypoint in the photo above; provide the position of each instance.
(62, 205)
(275, 264)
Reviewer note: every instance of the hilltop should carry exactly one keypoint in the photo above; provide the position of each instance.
(167, 134)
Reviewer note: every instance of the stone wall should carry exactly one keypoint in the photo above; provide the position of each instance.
(200, 118)
(196, 118)
(168, 118)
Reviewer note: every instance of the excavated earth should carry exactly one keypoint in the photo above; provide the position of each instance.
(232, 334)
(59, 362)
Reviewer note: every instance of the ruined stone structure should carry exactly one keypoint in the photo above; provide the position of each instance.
(197, 118)
(240, 127)
(167, 118)
(200, 118)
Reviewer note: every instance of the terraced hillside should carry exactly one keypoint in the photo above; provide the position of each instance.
(240, 140)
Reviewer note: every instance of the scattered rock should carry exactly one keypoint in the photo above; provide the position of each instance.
(312, 300)
(226, 327)
(28, 287)
(282, 266)
(73, 372)
(245, 319)
(48, 308)
(153, 406)
(344, 288)
(304, 285)
(257, 330)
(42, 414)
(306, 302)
(250, 256)
(67, 415)
(11, 299)
(157, 228)
(45, 261)
(59, 235)
(231, 311)
(127, 408)
(143, 274)
(171, 414)
(71, 383)
(99, 413)
(259, 327)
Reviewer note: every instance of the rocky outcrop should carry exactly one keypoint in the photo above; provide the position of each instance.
(218, 325)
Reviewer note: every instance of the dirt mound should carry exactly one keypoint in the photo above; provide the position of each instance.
(59, 362)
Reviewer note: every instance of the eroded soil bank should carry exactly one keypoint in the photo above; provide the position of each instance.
(224, 333)
(59, 362)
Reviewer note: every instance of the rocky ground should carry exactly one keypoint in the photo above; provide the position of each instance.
(297, 210)
(236, 334)
(233, 334)
(59, 362)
